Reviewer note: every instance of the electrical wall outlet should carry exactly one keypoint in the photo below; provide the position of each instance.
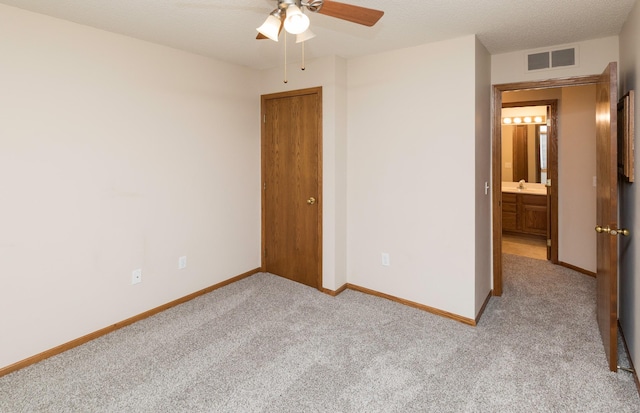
(136, 276)
(385, 259)
(182, 262)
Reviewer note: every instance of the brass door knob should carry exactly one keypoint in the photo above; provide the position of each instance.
(600, 230)
(311, 201)
(620, 231)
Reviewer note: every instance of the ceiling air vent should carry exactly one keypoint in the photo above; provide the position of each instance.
(551, 59)
(537, 61)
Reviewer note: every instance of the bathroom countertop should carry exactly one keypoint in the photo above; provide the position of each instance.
(531, 191)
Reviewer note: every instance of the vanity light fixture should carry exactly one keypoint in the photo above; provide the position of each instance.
(530, 120)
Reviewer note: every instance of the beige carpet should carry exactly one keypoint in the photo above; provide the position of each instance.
(266, 344)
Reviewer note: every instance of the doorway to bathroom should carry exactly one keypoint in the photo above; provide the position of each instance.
(576, 169)
(529, 176)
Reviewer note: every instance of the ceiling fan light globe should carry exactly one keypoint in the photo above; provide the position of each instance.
(296, 22)
(270, 28)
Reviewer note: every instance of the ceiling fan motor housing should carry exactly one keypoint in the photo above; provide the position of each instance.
(283, 4)
(313, 5)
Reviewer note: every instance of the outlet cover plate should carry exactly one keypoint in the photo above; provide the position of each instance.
(385, 259)
(136, 276)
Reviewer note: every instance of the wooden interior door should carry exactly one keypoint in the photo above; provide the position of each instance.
(607, 212)
(291, 171)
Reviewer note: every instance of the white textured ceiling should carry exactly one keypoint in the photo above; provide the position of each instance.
(225, 29)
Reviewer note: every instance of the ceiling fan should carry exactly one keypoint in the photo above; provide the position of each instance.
(289, 15)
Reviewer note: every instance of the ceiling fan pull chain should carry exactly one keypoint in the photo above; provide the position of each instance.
(285, 57)
(303, 66)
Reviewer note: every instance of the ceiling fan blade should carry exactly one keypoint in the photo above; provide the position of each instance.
(349, 12)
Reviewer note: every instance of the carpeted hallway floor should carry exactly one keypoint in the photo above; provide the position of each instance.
(265, 344)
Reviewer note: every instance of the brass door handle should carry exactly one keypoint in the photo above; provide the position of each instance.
(612, 231)
(311, 201)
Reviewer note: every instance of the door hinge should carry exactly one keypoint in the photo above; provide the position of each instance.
(548, 243)
(264, 186)
(264, 119)
(265, 253)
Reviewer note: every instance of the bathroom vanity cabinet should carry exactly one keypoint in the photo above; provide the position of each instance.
(524, 213)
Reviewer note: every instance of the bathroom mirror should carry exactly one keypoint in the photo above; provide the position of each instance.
(525, 133)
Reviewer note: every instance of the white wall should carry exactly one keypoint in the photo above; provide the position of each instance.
(483, 227)
(629, 285)
(116, 154)
(331, 74)
(576, 168)
(411, 173)
(594, 55)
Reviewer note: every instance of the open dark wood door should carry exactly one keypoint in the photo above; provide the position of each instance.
(292, 191)
(607, 212)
